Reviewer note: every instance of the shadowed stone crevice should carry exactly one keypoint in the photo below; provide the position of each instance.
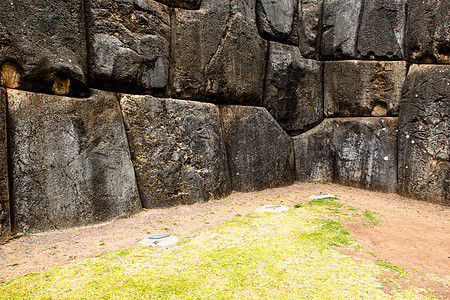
(359, 152)
(260, 153)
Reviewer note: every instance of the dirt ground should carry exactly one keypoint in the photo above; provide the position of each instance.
(413, 234)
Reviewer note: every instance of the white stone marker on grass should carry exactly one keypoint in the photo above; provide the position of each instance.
(272, 208)
(160, 240)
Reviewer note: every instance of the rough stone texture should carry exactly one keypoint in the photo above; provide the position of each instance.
(278, 20)
(177, 149)
(260, 153)
(340, 28)
(293, 93)
(42, 41)
(424, 137)
(70, 162)
(382, 29)
(186, 4)
(359, 152)
(363, 88)
(217, 52)
(129, 45)
(5, 224)
(310, 27)
(427, 36)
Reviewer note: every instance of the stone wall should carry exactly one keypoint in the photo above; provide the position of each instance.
(105, 108)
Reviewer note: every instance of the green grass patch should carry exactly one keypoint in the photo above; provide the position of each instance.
(385, 264)
(370, 216)
(290, 255)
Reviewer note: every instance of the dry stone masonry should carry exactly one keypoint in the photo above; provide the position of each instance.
(111, 106)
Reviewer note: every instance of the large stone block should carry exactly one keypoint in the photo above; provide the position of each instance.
(424, 137)
(70, 162)
(278, 20)
(43, 46)
(217, 52)
(129, 45)
(359, 152)
(310, 27)
(260, 153)
(177, 149)
(427, 36)
(382, 29)
(186, 4)
(340, 24)
(5, 218)
(293, 93)
(363, 88)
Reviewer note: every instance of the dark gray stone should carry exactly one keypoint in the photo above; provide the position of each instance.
(360, 152)
(177, 149)
(340, 24)
(70, 162)
(5, 219)
(293, 93)
(427, 36)
(260, 153)
(310, 27)
(43, 45)
(129, 45)
(382, 29)
(424, 137)
(363, 88)
(278, 20)
(218, 53)
(186, 4)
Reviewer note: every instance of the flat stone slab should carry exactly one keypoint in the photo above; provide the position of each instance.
(424, 134)
(129, 45)
(321, 196)
(177, 148)
(272, 208)
(293, 93)
(160, 240)
(340, 23)
(359, 152)
(355, 88)
(43, 46)
(260, 153)
(70, 161)
(217, 53)
(278, 20)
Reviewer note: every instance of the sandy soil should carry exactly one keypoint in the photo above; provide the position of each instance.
(413, 234)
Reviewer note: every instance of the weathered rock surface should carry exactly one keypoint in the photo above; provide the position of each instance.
(424, 137)
(359, 152)
(186, 4)
(340, 28)
(310, 27)
(177, 149)
(70, 162)
(293, 93)
(427, 36)
(363, 88)
(382, 29)
(260, 153)
(278, 20)
(5, 224)
(43, 41)
(217, 52)
(129, 45)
